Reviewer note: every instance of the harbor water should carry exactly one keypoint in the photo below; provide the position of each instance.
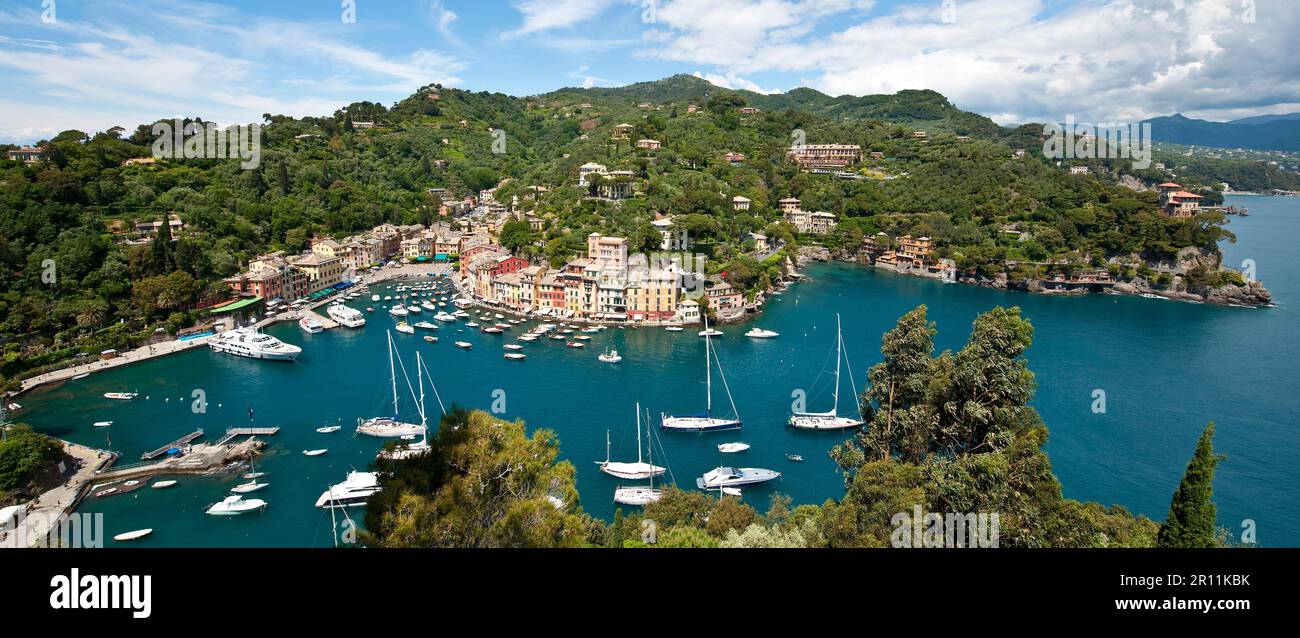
(1165, 367)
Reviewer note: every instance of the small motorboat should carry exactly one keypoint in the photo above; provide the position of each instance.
(673, 328)
(493, 331)
(576, 344)
(314, 452)
(582, 338)
(251, 486)
(425, 325)
(81, 376)
(731, 491)
(398, 311)
(513, 346)
(253, 475)
(611, 356)
(732, 448)
(162, 484)
(710, 333)
(329, 429)
(108, 492)
(795, 457)
(430, 338)
(464, 345)
(557, 337)
(121, 396)
(310, 325)
(405, 328)
(103, 424)
(414, 309)
(235, 505)
(516, 356)
(759, 333)
(130, 536)
(472, 324)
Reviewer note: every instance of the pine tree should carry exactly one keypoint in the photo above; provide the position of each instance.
(1191, 512)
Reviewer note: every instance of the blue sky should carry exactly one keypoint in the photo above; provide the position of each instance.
(92, 64)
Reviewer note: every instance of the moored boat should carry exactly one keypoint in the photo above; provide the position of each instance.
(352, 492)
(130, 536)
(250, 343)
(735, 477)
(235, 505)
(732, 448)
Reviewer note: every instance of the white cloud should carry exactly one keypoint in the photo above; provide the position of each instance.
(213, 63)
(442, 18)
(730, 80)
(546, 15)
(1110, 60)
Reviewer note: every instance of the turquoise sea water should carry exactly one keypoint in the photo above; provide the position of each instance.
(1166, 368)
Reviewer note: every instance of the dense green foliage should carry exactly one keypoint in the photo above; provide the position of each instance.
(1191, 520)
(24, 456)
(324, 175)
(484, 483)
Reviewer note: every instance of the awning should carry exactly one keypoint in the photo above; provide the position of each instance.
(238, 305)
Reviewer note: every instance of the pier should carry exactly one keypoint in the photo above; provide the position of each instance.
(184, 440)
(231, 433)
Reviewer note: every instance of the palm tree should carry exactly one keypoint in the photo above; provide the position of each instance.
(92, 313)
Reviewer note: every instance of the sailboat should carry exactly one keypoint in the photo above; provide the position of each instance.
(831, 420)
(639, 495)
(630, 471)
(706, 420)
(388, 427)
(412, 450)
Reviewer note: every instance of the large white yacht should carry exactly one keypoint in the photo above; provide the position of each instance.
(248, 342)
(347, 316)
(352, 492)
(723, 477)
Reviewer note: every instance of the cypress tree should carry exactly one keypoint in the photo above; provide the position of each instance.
(1191, 512)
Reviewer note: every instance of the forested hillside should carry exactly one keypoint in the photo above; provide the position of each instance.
(325, 175)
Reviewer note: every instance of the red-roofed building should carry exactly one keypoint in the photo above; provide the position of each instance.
(1177, 202)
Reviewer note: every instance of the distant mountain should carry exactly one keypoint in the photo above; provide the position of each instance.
(923, 108)
(1265, 132)
(1264, 119)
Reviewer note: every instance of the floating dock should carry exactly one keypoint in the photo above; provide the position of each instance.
(184, 440)
(234, 432)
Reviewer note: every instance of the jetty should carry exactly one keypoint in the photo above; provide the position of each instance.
(231, 433)
(183, 441)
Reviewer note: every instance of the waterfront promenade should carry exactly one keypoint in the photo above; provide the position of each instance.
(125, 358)
(46, 509)
(165, 348)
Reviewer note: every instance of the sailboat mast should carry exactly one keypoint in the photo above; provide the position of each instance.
(419, 380)
(638, 432)
(650, 449)
(708, 369)
(392, 372)
(839, 354)
(334, 525)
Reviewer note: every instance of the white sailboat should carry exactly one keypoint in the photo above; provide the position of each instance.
(705, 421)
(412, 450)
(639, 495)
(630, 471)
(388, 427)
(831, 420)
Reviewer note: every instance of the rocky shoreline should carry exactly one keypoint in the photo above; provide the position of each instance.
(1249, 294)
